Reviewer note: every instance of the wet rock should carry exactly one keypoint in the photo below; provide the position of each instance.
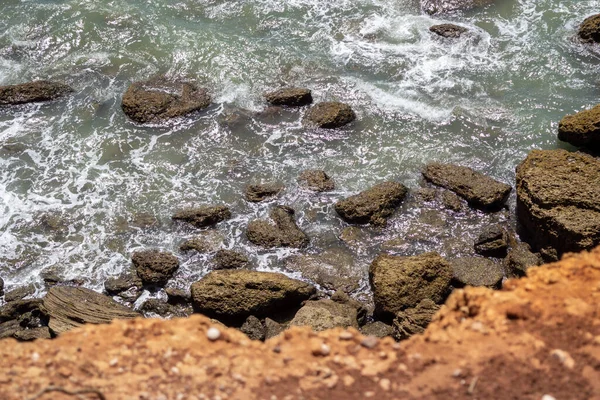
(253, 328)
(520, 258)
(589, 31)
(14, 309)
(51, 276)
(201, 217)
(32, 92)
(229, 259)
(426, 194)
(403, 282)
(325, 314)
(476, 271)
(234, 295)
(449, 6)
(19, 293)
(143, 221)
(581, 129)
(492, 242)
(291, 97)
(205, 242)
(70, 307)
(450, 31)
(479, 190)
(316, 180)
(282, 233)
(377, 329)
(414, 320)
(178, 296)
(26, 335)
(259, 192)
(451, 201)
(159, 99)
(118, 285)
(1, 287)
(361, 310)
(374, 205)
(273, 328)
(329, 115)
(558, 200)
(152, 307)
(154, 267)
(353, 236)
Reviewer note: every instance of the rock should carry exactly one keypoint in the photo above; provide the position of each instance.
(479, 190)
(70, 307)
(492, 242)
(153, 307)
(450, 31)
(154, 267)
(19, 293)
(25, 335)
(377, 329)
(589, 31)
(558, 200)
(374, 205)
(14, 309)
(325, 314)
(291, 97)
(264, 191)
(144, 220)
(229, 259)
(234, 295)
(451, 201)
(51, 275)
(414, 320)
(201, 217)
(272, 328)
(253, 328)
(159, 99)
(117, 285)
(519, 260)
(426, 194)
(353, 237)
(9, 328)
(178, 296)
(329, 115)
(476, 271)
(361, 311)
(283, 233)
(205, 242)
(1, 287)
(403, 282)
(581, 129)
(449, 6)
(316, 180)
(32, 92)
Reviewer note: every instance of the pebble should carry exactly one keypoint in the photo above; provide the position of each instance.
(322, 350)
(548, 397)
(213, 334)
(346, 335)
(563, 357)
(370, 342)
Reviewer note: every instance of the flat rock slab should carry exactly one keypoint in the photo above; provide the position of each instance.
(32, 92)
(374, 205)
(449, 6)
(325, 314)
(291, 97)
(581, 129)
(70, 307)
(479, 190)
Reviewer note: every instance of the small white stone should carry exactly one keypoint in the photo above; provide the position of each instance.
(548, 397)
(35, 357)
(213, 334)
(325, 349)
(113, 362)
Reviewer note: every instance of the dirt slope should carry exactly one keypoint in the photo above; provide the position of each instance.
(539, 336)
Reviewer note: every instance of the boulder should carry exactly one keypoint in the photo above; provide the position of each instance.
(234, 295)
(178, 296)
(19, 293)
(492, 242)
(1, 287)
(201, 217)
(361, 310)
(450, 31)
(378, 329)
(253, 328)
(450, 6)
(316, 180)
(273, 328)
(476, 271)
(259, 192)
(451, 201)
(329, 115)
(154, 267)
(325, 314)
(589, 31)
(558, 200)
(14, 309)
(581, 129)
(70, 307)
(479, 190)
(401, 282)
(117, 285)
(154, 307)
(519, 259)
(374, 205)
(32, 92)
(159, 99)
(291, 97)
(204, 242)
(229, 259)
(414, 320)
(283, 232)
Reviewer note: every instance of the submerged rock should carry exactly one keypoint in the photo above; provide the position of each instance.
(291, 97)
(259, 192)
(205, 242)
(520, 258)
(329, 115)
(374, 205)
(476, 271)
(581, 129)
(159, 99)
(492, 242)
(451, 201)
(589, 31)
(448, 6)
(154, 267)
(414, 320)
(558, 200)
(479, 190)
(450, 31)
(229, 259)
(325, 314)
(316, 180)
(32, 92)
(283, 233)
(201, 217)
(253, 328)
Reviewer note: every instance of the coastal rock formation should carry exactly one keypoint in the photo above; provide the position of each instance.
(316, 180)
(283, 232)
(400, 282)
(291, 97)
(259, 192)
(154, 267)
(122, 283)
(492, 242)
(374, 205)
(32, 92)
(558, 200)
(581, 129)
(234, 295)
(476, 271)
(325, 314)
(201, 217)
(19, 293)
(479, 190)
(229, 259)
(329, 115)
(519, 259)
(449, 6)
(414, 320)
(589, 31)
(159, 99)
(450, 31)
(23, 320)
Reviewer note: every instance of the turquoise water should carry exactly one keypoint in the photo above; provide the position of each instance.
(75, 171)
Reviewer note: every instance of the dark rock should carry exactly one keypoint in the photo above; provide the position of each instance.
(450, 6)
(361, 311)
(451, 201)
(165, 310)
(14, 309)
(25, 335)
(403, 282)
(9, 328)
(291, 97)
(32, 92)
(329, 115)
(51, 276)
(377, 329)
(229, 259)
(70, 307)
(273, 328)
(1, 287)
(374, 205)
(479, 190)
(264, 191)
(234, 295)
(414, 320)
(476, 271)
(519, 260)
(178, 296)
(204, 243)
(253, 328)
(492, 242)
(581, 129)
(154, 267)
(201, 217)
(558, 200)
(283, 233)
(450, 31)
(316, 180)
(549, 254)
(122, 283)
(19, 293)
(589, 31)
(325, 314)
(159, 99)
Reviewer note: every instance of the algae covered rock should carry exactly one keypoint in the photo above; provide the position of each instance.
(32, 92)
(282, 232)
(263, 191)
(374, 205)
(450, 31)
(154, 267)
(316, 180)
(204, 216)
(476, 271)
(291, 97)
(329, 115)
(589, 31)
(229, 259)
(325, 314)
(581, 129)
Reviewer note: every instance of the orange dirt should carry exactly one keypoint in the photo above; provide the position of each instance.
(538, 336)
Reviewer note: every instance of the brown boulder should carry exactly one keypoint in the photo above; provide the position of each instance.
(329, 115)
(589, 31)
(316, 180)
(283, 233)
(581, 129)
(476, 271)
(291, 97)
(229, 259)
(325, 314)
(263, 191)
(154, 267)
(201, 217)
(32, 92)
(414, 320)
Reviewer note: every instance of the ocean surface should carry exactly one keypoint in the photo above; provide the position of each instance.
(76, 176)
